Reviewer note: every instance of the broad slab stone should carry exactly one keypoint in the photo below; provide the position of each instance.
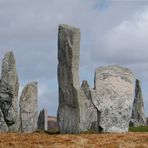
(29, 108)
(113, 96)
(9, 88)
(3, 125)
(138, 117)
(88, 112)
(43, 120)
(68, 78)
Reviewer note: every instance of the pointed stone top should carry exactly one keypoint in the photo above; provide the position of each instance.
(9, 57)
(65, 26)
(85, 84)
(9, 53)
(33, 83)
(138, 82)
(138, 86)
(44, 110)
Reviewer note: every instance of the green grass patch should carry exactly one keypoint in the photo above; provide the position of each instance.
(139, 129)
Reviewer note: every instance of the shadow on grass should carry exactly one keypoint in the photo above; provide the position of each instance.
(49, 131)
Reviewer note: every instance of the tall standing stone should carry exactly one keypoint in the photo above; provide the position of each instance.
(113, 96)
(9, 88)
(89, 119)
(138, 117)
(68, 78)
(29, 108)
(43, 120)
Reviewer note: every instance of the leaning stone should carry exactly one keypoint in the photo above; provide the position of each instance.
(29, 108)
(88, 112)
(9, 88)
(43, 120)
(68, 78)
(138, 117)
(113, 96)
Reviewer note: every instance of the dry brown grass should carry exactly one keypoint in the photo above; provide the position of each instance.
(42, 140)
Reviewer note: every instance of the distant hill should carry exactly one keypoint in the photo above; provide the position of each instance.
(52, 122)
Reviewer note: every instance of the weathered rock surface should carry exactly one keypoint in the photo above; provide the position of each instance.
(29, 108)
(88, 113)
(138, 117)
(43, 120)
(3, 125)
(9, 88)
(68, 78)
(113, 96)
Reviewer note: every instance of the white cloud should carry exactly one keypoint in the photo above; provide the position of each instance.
(127, 43)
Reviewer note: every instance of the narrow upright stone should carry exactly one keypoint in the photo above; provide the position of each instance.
(29, 108)
(68, 78)
(9, 88)
(138, 117)
(88, 112)
(113, 96)
(43, 120)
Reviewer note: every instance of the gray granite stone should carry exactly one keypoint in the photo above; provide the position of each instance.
(9, 88)
(3, 125)
(113, 96)
(29, 108)
(138, 117)
(88, 112)
(42, 120)
(68, 79)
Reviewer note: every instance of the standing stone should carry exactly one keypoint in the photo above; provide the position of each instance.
(113, 96)
(42, 120)
(3, 125)
(68, 78)
(146, 121)
(138, 117)
(88, 112)
(9, 88)
(29, 108)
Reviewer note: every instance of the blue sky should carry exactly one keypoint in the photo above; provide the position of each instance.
(112, 32)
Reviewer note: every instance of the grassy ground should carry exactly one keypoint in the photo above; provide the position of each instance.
(44, 140)
(139, 129)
